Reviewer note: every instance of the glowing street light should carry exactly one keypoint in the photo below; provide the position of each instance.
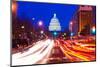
(19, 35)
(93, 30)
(64, 33)
(40, 23)
(33, 18)
(70, 28)
(54, 33)
(71, 23)
(31, 32)
(71, 34)
(41, 31)
(14, 7)
(22, 27)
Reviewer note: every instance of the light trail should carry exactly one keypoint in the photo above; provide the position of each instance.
(70, 52)
(60, 45)
(40, 52)
(36, 47)
(75, 49)
(36, 54)
(85, 47)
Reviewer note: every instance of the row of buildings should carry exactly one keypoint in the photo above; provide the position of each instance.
(84, 20)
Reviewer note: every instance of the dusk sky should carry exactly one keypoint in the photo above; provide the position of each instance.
(45, 11)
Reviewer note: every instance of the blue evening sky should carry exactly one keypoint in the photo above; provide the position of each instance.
(45, 11)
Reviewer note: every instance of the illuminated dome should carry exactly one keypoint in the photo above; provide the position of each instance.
(54, 24)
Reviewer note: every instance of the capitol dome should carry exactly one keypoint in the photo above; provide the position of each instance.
(54, 24)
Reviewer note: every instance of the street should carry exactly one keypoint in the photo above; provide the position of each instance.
(56, 51)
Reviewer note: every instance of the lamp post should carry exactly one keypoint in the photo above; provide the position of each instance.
(40, 24)
(23, 31)
(55, 34)
(33, 20)
(70, 28)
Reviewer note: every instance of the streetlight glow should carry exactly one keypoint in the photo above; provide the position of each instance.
(55, 33)
(14, 7)
(33, 18)
(93, 30)
(22, 27)
(70, 26)
(41, 31)
(72, 34)
(40, 23)
(71, 23)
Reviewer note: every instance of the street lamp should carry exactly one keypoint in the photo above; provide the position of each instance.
(40, 23)
(55, 33)
(41, 31)
(22, 27)
(71, 23)
(71, 34)
(14, 7)
(93, 30)
(64, 33)
(70, 28)
(33, 18)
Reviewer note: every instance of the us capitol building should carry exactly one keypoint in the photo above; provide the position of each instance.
(54, 24)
